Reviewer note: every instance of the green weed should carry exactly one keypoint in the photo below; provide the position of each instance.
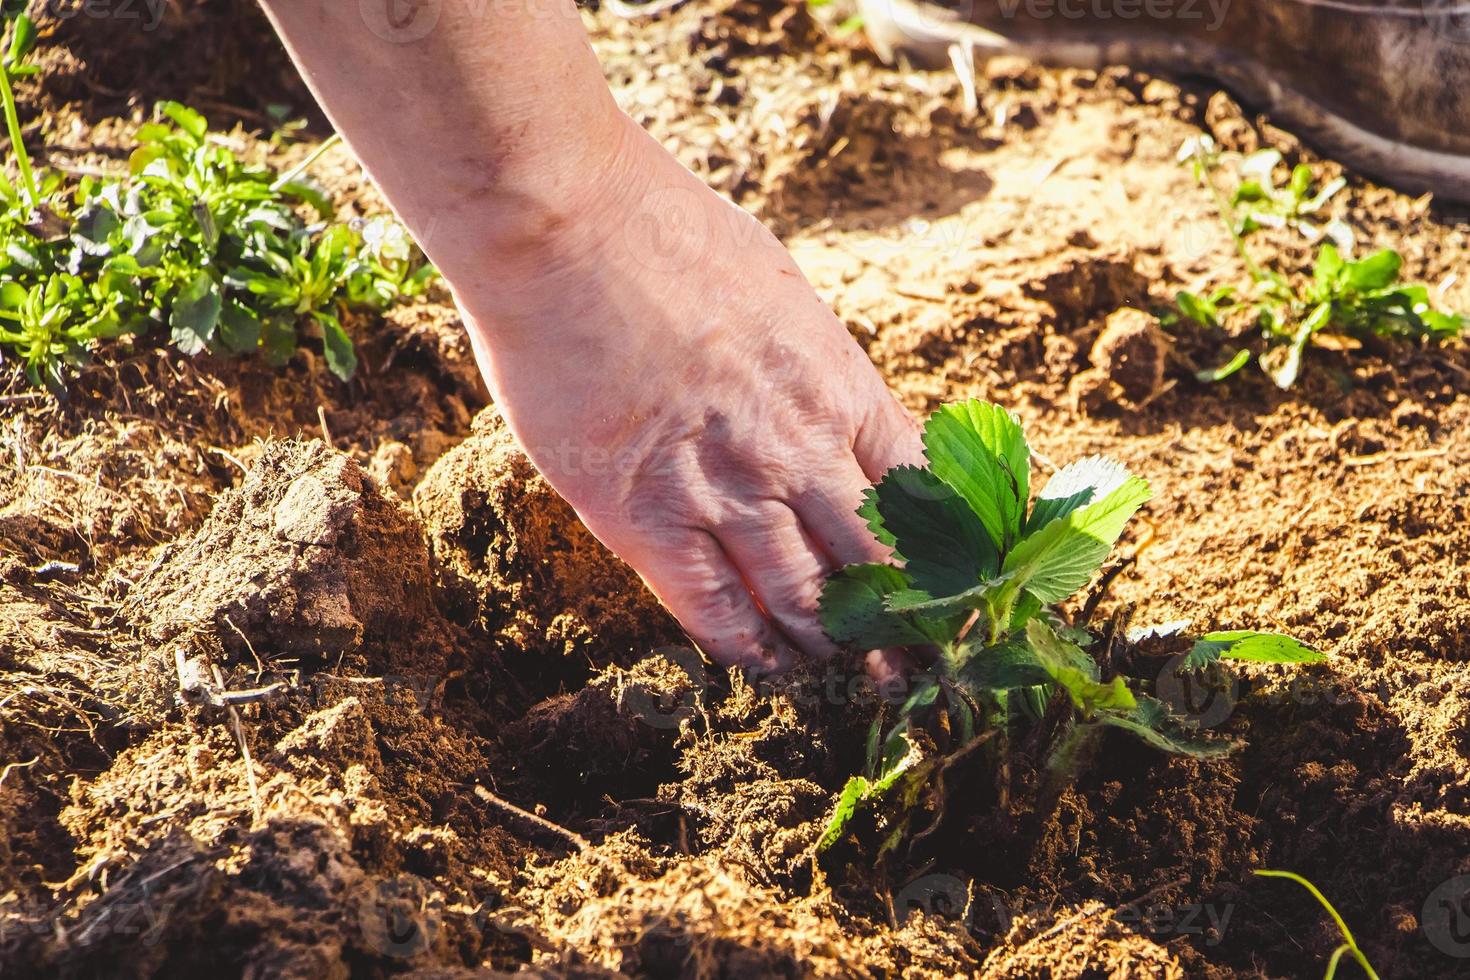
(1345, 299)
(1349, 945)
(192, 240)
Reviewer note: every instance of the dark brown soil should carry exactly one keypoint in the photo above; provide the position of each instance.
(478, 743)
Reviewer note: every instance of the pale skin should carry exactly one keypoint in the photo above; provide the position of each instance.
(654, 349)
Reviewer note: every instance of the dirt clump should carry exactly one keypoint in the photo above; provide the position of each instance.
(223, 56)
(306, 561)
(352, 839)
(616, 735)
(1128, 361)
(516, 559)
(754, 775)
(700, 917)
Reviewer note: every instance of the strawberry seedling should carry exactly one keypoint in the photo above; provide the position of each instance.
(1347, 301)
(980, 567)
(193, 240)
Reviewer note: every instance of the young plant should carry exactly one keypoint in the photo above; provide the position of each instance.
(1348, 301)
(979, 568)
(193, 240)
(1259, 203)
(22, 38)
(1349, 945)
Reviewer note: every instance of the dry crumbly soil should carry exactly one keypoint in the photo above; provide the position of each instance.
(481, 750)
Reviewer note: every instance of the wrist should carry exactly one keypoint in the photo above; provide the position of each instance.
(500, 246)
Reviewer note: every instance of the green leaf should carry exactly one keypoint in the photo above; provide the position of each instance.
(1241, 358)
(918, 601)
(1152, 721)
(337, 346)
(310, 192)
(1377, 271)
(1327, 270)
(195, 313)
(1253, 646)
(1073, 486)
(186, 119)
(1248, 191)
(1285, 373)
(1026, 607)
(1301, 181)
(979, 449)
(1075, 672)
(1443, 325)
(239, 327)
(859, 790)
(924, 694)
(277, 340)
(21, 42)
(852, 609)
(1199, 310)
(868, 511)
(12, 295)
(1000, 667)
(944, 547)
(1060, 558)
(93, 227)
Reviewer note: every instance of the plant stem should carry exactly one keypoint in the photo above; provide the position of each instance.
(1227, 216)
(12, 123)
(1351, 944)
(311, 158)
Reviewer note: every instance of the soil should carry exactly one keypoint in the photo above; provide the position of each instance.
(475, 743)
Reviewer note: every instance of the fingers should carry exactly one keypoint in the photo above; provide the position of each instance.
(706, 592)
(785, 569)
(889, 437)
(889, 669)
(829, 514)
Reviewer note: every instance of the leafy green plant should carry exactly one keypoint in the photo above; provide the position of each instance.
(1259, 203)
(219, 252)
(1345, 299)
(1349, 945)
(980, 567)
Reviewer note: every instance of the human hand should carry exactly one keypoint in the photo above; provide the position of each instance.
(673, 375)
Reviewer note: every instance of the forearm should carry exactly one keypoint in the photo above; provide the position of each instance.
(481, 133)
